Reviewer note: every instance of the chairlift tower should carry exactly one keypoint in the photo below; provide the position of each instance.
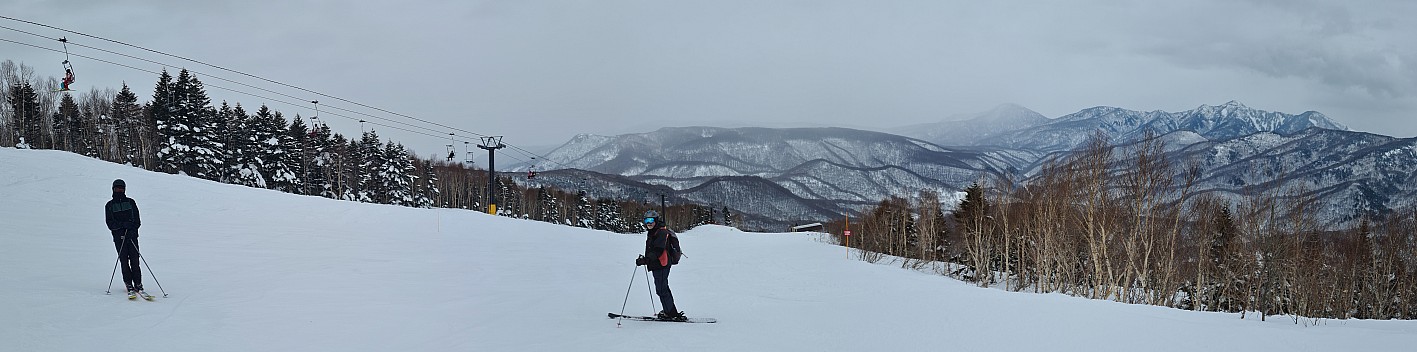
(491, 144)
(307, 146)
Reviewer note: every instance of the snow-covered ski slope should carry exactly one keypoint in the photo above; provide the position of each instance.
(257, 270)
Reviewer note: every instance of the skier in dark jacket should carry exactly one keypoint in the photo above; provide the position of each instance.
(121, 214)
(661, 253)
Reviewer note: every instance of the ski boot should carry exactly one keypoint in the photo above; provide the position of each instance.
(138, 289)
(671, 316)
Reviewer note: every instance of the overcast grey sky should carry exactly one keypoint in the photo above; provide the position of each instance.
(540, 72)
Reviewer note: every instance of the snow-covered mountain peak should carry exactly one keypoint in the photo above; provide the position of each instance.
(1230, 108)
(1213, 122)
(588, 137)
(1224, 109)
(1318, 119)
(1234, 104)
(1234, 119)
(1096, 112)
(975, 129)
(1009, 111)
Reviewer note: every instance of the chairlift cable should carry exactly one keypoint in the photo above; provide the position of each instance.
(67, 54)
(242, 73)
(222, 79)
(65, 50)
(218, 87)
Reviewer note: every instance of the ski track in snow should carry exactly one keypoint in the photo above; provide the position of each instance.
(250, 269)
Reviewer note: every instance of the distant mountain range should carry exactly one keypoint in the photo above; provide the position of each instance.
(1351, 173)
(789, 175)
(1014, 126)
(1215, 123)
(976, 129)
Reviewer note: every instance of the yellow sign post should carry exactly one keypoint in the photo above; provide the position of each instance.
(847, 234)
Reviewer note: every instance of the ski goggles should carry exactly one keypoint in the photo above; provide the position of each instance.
(649, 221)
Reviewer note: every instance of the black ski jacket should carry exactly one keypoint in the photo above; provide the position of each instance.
(660, 248)
(121, 214)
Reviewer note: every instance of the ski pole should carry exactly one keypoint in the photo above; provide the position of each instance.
(652, 307)
(109, 291)
(150, 272)
(627, 297)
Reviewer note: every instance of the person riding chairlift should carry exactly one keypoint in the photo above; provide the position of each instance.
(68, 76)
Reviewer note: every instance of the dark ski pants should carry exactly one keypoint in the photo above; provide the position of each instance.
(129, 259)
(661, 287)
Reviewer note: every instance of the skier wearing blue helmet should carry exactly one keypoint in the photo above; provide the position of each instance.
(661, 252)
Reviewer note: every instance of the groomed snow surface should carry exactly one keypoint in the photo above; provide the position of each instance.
(257, 270)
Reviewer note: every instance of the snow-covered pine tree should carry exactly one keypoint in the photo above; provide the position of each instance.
(604, 215)
(370, 169)
(162, 109)
(627, 222)
(727, 217)
(427, 184)
(325, 150)
(187, 122)
(477, 193)
(367, 160)
(148, 140)
(298, 157)
(106, 135)
(241, 157)
(508, 199)
(396, 175)
(343, 169)
(704, 215)
(278, 166)
(65, 124)
(550, 209)
(259, 134)
(127, 118)
(585, 214)
(29, 123)
(514, 200)
(92, 128)
(224, 128)
(614, 217)
(911, 235)
(1221, 259)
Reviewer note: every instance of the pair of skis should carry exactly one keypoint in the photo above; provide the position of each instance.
(133, 296)
(643, 318)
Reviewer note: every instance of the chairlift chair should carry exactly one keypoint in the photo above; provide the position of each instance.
(467, 152)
